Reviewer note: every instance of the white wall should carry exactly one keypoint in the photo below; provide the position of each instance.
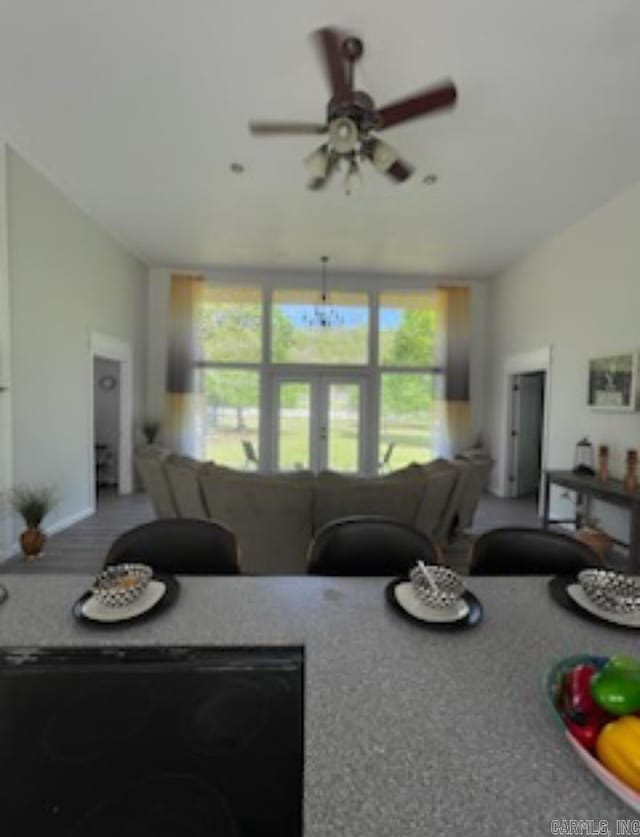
(6, 447)
(68, 278)
(580, 294)
(158, 319)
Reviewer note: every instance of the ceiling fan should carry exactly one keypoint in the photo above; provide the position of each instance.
(352, 117)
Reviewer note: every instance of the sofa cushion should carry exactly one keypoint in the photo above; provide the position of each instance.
(270, 516)
(150, 465)
(183, 475)
(412, 471)
(210, 475)
(478, 467)
(397, 499)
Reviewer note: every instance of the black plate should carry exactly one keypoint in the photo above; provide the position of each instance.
(473, 617)
(558, 589)
(168, 598)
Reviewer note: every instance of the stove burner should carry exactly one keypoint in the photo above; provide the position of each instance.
(168, 805)
(228, 719)
(96, 722)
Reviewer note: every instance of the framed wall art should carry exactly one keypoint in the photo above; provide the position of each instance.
(613, 382)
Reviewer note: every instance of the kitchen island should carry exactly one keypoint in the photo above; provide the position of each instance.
(408, 731)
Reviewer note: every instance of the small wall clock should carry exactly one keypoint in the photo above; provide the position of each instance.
(107, 382)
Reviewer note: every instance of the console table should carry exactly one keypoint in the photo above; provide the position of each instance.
(610, 491)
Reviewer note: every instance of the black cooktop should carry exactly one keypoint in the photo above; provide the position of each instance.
(151, 742)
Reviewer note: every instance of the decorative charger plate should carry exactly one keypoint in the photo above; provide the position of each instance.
(568, 593)
(466, 614)
(552, 687)
(161, 593)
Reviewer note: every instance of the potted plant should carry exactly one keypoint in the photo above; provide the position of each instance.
(32, 504)
(150, 430)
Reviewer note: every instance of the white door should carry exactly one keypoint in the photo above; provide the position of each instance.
(318, 422)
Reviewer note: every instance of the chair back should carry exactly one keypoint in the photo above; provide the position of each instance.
(523, 551)
(249, 453)
(182, 546)
(369, 546)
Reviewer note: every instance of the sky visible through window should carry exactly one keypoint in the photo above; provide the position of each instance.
(351, 316)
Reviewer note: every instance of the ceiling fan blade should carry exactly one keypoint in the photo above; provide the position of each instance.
(274, 128)
(420, 104)
(329, 42)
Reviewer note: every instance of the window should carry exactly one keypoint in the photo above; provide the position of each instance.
(409, 338)
(229, 325)
(231, 420)
(408, 329)
(315, 414)
(295, 339)
(408, 418)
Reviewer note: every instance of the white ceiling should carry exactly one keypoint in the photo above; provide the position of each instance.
(136, 108)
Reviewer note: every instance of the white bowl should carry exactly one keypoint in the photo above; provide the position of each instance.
(121, 584)
(436, 586)
(612, 591)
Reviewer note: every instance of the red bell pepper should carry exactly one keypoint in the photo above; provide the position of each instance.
(581, 714)
(587, 734)
(578, 704)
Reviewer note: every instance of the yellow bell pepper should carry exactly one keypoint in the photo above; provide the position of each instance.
(618, 748)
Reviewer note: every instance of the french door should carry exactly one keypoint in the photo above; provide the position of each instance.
(318, 422)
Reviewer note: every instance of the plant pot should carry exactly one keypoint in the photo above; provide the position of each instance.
(32, 541)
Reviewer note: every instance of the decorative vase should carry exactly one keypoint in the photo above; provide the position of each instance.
(631, 477)
(603, 463)
(32, 541)
(597, 540)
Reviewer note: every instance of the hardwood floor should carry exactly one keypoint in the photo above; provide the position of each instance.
(82, 548)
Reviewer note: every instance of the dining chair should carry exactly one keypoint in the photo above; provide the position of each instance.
(180, 545)
(251, 458)
(524, 551)
(366, 545)
(385, 462)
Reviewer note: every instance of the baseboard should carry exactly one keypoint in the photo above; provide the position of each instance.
(71, 520)
(58, 526)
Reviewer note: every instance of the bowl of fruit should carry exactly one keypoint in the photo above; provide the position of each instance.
(597, 702)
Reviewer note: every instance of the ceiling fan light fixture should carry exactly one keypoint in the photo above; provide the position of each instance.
(343, 134)
(383, 156)
(353, 181)
(317, 163)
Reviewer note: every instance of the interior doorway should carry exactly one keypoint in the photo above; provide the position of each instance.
(527, 433)
(106, 424)
(111, 417)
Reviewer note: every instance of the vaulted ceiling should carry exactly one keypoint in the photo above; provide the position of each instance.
(136, 110)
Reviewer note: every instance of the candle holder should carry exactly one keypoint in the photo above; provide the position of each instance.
(583, 462)
(631, 477)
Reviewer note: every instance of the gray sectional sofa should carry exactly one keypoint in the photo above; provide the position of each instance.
(275, 516)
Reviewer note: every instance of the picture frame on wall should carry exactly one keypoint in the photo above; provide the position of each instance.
(613, 382)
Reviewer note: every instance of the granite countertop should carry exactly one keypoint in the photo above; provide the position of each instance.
(408, 731)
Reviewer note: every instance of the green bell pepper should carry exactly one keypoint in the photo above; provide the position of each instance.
(616, 687)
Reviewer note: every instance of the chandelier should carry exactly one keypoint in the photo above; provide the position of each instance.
(323, 314)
